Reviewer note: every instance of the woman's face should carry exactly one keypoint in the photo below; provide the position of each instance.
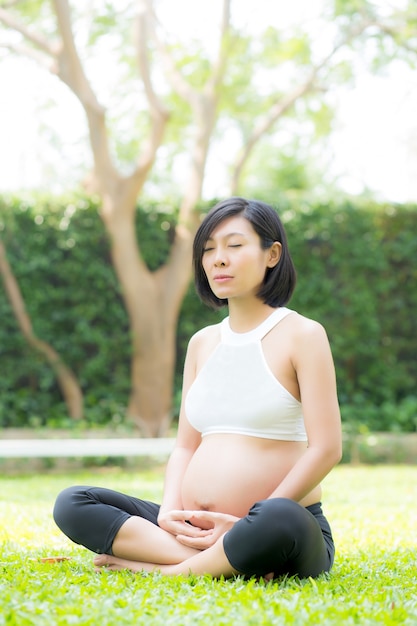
(234, 261)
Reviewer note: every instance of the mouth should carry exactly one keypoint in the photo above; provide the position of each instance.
(222, 278)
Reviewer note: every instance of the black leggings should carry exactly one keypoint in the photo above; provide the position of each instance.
(277, 535)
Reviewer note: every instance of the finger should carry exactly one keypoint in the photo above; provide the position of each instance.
(193, 531)
(199, 543)
(181, 516)
(181, 513)
(206, 516)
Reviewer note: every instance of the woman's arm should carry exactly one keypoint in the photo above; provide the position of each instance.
(187, 441)
(314, 368)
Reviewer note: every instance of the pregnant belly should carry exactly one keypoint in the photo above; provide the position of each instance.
(228, 473)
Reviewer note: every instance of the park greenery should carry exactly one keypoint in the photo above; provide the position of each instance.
(356, 268)
(166, 106)
(372, 582)
(90, 280)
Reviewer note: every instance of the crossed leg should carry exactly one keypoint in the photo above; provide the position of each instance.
(259, 542)
(212, 561)
(141, 540)
(87, 515)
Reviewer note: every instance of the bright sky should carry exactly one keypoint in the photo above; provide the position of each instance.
(375, 143)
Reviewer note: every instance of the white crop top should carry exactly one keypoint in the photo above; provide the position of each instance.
(236, 392)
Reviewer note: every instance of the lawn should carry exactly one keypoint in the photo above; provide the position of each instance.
(374, 581)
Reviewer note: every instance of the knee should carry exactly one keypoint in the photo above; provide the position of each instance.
(66, 505)
(278, 509)
(263, 538)
(278, 521)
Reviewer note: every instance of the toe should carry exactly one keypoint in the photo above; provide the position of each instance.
(101, 560)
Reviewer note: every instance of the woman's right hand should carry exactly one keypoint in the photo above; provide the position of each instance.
(174, 522)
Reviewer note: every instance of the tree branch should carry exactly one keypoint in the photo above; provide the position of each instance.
(30, 53)
(70, 70)
(393, 33)
(144, 15)
(178, 83)
(37, 40)
(66, 379)
(204, 106)
(220, 64)
(280, 107)
(67, 66)
(158, 112)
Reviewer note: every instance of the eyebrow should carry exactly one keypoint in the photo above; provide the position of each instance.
(228, 235)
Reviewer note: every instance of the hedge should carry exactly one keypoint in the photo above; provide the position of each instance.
(356, 270)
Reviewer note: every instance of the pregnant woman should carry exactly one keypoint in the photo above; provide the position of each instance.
(258, 431)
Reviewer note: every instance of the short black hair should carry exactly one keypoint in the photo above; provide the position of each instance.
(279, 281)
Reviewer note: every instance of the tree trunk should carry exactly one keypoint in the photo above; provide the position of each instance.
(67, 381)
(153, 301)
(152, 367)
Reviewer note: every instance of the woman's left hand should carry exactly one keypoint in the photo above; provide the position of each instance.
(215, 525)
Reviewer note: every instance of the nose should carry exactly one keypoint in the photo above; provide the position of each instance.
(220, 259)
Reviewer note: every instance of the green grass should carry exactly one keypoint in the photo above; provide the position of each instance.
(374, 581)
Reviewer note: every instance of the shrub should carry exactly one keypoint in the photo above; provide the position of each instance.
(355, 267)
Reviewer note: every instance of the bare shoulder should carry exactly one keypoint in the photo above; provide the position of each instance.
(304, 327)
(205, 334)
(204, 340)
(309, 342)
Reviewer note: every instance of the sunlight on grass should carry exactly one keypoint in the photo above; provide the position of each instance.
(28, 502)
(372, 511)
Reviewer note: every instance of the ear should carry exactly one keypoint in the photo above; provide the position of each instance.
(274, 254)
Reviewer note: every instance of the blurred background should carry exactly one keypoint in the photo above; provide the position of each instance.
(122, 123)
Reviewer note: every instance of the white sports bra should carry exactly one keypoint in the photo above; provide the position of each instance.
(236, 392)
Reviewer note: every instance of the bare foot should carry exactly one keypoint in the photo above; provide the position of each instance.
(110, 562)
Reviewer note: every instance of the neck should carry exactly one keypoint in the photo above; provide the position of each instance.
(246, 316)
